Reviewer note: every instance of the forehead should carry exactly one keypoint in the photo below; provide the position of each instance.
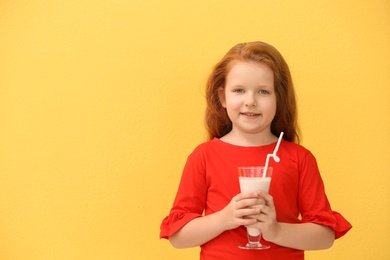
(245, 70)
(233, 62)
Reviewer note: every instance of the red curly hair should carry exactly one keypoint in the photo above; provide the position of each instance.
(217, 121)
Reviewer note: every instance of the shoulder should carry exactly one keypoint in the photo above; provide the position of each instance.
(294, 147)
(302, 157)
(203, 154)
(211, 150)
(297, 151)
(207, 146)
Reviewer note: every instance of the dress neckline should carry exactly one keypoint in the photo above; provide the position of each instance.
(225, 144)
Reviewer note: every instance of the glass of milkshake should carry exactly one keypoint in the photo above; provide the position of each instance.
(251, 179)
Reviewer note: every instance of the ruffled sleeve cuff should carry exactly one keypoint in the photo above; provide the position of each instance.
(175, 221)
(331, 219)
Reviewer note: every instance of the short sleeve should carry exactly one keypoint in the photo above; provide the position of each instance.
(330, 219)
(174, 222)
(313, 202)
(190, 199)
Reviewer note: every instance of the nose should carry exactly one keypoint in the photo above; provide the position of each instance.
(250, 101)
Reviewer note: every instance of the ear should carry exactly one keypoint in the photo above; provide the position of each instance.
(221, 95)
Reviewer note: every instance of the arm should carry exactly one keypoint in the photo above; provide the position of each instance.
(198, 231)
(201, 230)
(305, 236)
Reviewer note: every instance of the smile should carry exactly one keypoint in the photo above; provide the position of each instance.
(250, 114)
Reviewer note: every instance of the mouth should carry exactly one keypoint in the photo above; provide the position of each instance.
(250, 115)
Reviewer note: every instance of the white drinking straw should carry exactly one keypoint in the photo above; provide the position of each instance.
(273, 155)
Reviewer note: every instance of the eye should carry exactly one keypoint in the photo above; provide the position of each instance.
(239, 90)
(263, 91)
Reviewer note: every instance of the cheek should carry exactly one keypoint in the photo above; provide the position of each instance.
(232, 104)
(274, 103)
(272, 107)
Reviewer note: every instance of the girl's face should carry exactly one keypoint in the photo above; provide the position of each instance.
(249, 98)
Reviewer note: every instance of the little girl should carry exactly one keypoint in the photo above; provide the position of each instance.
(250, 101)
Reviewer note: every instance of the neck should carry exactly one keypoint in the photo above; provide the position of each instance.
(248, 139)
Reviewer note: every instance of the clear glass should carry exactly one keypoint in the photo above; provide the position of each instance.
(251, 179)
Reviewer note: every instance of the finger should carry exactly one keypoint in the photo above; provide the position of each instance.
(248, 222)
(266, 214)
(253, 225)
(269, 201)
(248, 213)
(246, 195)
(246, 216)
(248, 201)
(254, 216)
(262, 217)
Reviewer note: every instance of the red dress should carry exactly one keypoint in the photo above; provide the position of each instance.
(210, 180)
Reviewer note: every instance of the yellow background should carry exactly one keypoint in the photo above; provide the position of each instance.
(102, 101)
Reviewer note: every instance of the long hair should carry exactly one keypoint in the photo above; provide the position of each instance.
(217, 121)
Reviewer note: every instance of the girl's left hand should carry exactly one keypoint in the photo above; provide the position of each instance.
(266, 219)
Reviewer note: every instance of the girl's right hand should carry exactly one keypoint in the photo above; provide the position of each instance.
(237, 212)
